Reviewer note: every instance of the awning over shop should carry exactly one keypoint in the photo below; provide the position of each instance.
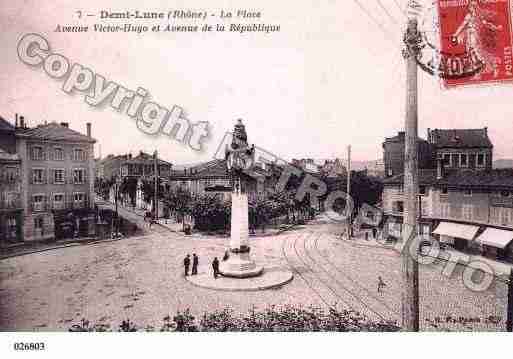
(456, 230)
(498, 238)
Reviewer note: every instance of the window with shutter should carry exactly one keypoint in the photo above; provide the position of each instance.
(38, 176)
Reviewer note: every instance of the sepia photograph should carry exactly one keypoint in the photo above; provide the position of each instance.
(341, 170)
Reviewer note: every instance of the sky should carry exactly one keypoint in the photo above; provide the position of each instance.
(332, 77)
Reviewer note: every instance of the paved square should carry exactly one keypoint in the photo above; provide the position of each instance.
(142, 278)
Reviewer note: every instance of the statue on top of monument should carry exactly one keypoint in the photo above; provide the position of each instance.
(240, 137)
(239, 155)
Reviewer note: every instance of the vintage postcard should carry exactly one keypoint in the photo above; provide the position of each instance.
(254, 166)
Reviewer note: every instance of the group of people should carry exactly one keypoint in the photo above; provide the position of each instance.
(148, 217)
(195, 263)
(376, 234)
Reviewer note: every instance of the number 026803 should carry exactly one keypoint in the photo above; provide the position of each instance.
(19, 346)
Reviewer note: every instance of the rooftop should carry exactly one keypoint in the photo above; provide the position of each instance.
(211, 169)
(460, 138)
(5, 125)
(53, 132)
(141, 158)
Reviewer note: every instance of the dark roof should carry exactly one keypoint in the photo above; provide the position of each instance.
(141, 158)
(53, 132)
(210, 169)
(400, 137)
(5, 125)
(497, 178)
(144, 158)
(461, 138)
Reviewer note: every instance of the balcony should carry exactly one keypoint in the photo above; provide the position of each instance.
(39, 207)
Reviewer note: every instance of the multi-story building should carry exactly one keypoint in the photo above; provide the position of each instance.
(132, 166)
(463, 201)
(393, 154)
(11, 211)
(333, 168)
(213, 177)
(306, 164)
(132, 171)
(57, 166)
(462, 148)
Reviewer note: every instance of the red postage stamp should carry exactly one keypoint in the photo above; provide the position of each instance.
(479, 30)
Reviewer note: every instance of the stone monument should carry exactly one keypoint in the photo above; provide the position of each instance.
(239, 157)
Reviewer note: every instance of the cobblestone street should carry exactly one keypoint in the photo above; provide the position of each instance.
(141, 278)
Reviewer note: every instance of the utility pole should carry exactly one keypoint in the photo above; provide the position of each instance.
(348, 193)
(156, 173)
(509, 320)
(410, 267)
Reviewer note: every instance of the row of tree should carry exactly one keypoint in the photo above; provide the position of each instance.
(212, 212)
(209, 211)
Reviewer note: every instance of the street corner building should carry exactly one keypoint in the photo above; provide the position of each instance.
(132, 172)
(46, 181)
(463, 201)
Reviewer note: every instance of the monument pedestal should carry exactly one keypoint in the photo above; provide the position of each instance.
(240, 264)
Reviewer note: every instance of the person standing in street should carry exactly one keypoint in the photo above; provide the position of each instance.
(186, 264)
(381, 284)
(215, 267)
(195, 262)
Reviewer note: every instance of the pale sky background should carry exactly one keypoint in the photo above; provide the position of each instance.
(330, 78)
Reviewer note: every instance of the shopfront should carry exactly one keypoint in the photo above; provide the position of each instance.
(496, 243)
(458, 235)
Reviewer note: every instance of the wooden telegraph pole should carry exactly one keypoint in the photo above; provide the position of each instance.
(509, 319)
(410, 268)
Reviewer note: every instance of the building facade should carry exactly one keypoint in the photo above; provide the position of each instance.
(11, 209)
(393, 154)
(213, 177)
(131, 172)
(462, 148)
(463, 202)
(57, 166)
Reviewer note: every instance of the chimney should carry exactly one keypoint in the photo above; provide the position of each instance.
(88, 126)
(429, 134)
(439, 168)
(22, 122)
(401, 134)
(16, 120)
(65, 124)
(485, 132)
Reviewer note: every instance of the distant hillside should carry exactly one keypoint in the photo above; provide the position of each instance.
(503, 163)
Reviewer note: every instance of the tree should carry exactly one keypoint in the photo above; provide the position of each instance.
(180, 202)
(129, 187)
(148, 190)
